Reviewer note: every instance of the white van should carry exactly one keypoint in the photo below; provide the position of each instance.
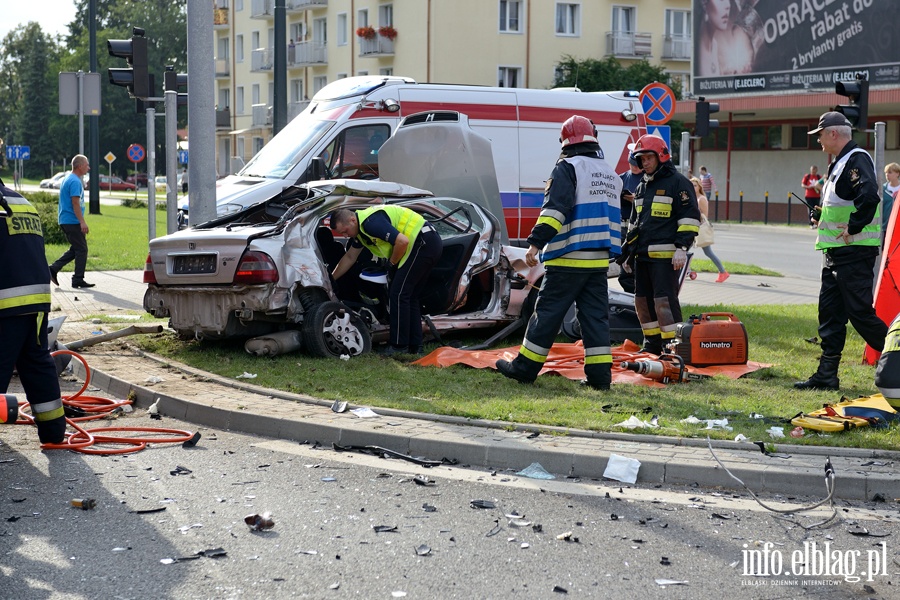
(348, 120)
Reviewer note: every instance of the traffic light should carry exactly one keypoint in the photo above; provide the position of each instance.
(175, 82)
(135, 52)
(140, 105)
(857, 112)
(704, 123)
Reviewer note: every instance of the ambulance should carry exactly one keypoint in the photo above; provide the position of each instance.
(347, 121)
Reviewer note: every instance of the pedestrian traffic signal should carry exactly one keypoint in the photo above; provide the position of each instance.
(703, 123)
(857, 112)
(175, 82)
(135, 52)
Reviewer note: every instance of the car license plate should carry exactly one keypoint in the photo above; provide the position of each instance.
(194, 264)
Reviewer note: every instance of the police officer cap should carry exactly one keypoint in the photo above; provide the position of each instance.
(830, 119)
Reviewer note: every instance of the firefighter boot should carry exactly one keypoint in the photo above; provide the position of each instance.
(521, 369)
(599, 377)
(825, 378)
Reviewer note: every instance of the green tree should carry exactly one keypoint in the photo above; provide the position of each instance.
(592, 75)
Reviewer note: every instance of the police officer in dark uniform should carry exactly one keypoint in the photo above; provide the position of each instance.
(630, 180)
(849, 234)
(668, 219)
(24, 305)
(576, 233)
(412, 248)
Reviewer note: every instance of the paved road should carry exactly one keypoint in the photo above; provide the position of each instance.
(325, 506)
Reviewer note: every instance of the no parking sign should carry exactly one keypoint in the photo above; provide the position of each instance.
(658, 102)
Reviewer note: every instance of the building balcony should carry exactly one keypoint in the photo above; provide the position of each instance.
(677, 47)
(377, 46)
(223, 67)
(262, 116)
(305, 54)
(295, 108)
(262, 9)
(262, 59)
(301, 5)
(628, 44)
(223, 119)
(220, 15)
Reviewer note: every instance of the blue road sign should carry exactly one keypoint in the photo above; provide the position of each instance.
(183, 157)
(135, 153)
(663, 131)
(658, 102)
(18, 152)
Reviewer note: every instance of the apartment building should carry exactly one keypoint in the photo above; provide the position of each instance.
(509, 43)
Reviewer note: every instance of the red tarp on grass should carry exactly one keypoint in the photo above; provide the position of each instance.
(568, 360)
(887, 288)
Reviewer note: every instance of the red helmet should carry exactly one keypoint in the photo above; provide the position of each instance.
(652, 143)
(577, 129)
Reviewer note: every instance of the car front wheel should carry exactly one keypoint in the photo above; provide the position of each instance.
(331, 329)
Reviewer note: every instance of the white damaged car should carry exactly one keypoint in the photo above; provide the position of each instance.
(264, 272)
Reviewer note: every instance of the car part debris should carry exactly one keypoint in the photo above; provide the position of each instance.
(339, 406)
(429, 508)
(191, 442)
(179, 470)
(671, 581)
(379, 451)
(497, 528)
(535, 471)
(364, 412)
(246, 375)
(423, 550)
(259, 522)
(422, 480)
(829, 498)
(482, 504)
(385, 528)
(84, 503)
(621, 468)
(273, 344)
(560, 590)
(147, 511)
(132, 330)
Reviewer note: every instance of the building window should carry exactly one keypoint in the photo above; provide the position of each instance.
(341, 76)
(682, 79)
(319, 81)
(387, 72)
(240, 148)
(320, 31)
(799, 139)
(510, 12)
(257, 144)
(239, 100)
(254, 93)
(509, 77)
(239, 48)
(362, 18)
(224, 99)
(678, 34)
(238, 5)
(223, 48)
(298, 31)
(386, 15)
(362, 73)
(342, 29)
(254, 40)
(568, 19)
(623, 19)
(296, 86)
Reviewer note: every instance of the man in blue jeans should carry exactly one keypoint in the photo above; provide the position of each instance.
(71, 221)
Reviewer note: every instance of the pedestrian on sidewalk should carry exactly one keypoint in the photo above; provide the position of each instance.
(708, 183)
(576, 233)
(889, 192)
(810, 183)
(24, 306)
(71, 221)
(703, 204)
(849, 234)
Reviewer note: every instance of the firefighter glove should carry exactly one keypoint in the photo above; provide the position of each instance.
(679, 258)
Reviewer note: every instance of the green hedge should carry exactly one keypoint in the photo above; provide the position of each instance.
(47, 205)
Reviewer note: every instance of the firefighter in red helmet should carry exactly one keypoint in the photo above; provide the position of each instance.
(667, 219)
(577, 233)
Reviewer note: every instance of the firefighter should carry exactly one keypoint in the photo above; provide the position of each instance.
(24, 305)
(849, 235)
(412, 248)
(576, 233)
(668, 219)
(887, 372)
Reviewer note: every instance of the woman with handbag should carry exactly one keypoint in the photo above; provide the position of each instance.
(704, 238)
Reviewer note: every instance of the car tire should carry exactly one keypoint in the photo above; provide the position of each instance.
(330, 329)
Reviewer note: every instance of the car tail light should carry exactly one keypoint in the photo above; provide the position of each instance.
(256, 267)
(149, 275)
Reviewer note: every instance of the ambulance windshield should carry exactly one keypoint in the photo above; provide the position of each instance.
(285, 150)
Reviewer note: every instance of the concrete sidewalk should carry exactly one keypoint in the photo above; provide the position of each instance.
(209, 400)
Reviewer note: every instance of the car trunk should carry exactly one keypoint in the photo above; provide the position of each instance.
(200, 257)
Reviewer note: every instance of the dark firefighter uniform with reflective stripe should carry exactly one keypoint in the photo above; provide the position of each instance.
(378, 230)
(24, 304)
(850, 197)
(887, 372)
(668, 219)
(578, 231)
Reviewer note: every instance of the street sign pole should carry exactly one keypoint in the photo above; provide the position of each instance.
(151, 169)
(171, 161)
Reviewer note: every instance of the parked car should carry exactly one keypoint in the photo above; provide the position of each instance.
(113, 183)
(266, 269)
(160, 183)
(55, 181)
(138, 179)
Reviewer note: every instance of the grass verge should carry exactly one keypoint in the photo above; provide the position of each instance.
(777, 335)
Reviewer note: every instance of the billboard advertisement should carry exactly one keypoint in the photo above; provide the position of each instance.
(767, 46)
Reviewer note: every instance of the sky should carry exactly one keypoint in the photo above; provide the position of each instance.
(53, 15)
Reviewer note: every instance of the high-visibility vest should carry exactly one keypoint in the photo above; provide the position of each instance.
(836, 211)
(404, 220)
